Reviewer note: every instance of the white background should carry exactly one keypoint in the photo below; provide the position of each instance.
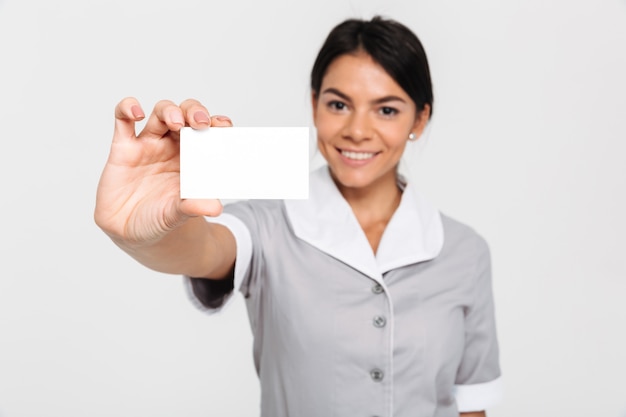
(527, 145)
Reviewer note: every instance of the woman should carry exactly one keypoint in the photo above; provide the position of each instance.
(363, 299)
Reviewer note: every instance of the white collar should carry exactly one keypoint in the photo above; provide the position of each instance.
(326, 221)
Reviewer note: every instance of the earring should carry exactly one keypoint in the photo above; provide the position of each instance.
(412, 137)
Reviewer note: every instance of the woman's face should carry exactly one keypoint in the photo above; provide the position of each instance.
(363, 120)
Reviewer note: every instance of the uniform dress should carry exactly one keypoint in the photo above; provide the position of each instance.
(341, 331)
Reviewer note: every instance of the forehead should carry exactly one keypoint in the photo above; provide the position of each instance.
(358, 74)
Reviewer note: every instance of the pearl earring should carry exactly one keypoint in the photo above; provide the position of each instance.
(412, 137)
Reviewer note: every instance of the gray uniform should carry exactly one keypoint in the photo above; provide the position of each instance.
(341, 331)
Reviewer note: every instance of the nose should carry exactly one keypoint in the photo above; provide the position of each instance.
(358, 127)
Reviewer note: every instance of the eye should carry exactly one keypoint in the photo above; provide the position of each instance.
(388, 111)
(337, 105)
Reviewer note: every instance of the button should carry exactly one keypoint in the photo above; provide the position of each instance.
(377, 289)
(377, 375)
(379, 321)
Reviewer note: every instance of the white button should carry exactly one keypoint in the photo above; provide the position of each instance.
(377, 289)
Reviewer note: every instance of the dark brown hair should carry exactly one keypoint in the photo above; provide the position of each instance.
(391, 44)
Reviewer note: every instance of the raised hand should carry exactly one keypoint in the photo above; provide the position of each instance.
(138, 198)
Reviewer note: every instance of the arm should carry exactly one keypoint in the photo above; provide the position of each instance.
(478, 382)
(473, 414)
(196, 249)
(138, 201)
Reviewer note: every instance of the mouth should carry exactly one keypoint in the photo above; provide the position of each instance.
(357, 156)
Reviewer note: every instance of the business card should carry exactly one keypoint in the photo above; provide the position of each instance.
(236, 163)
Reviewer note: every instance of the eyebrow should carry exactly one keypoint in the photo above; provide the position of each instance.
(377, 101)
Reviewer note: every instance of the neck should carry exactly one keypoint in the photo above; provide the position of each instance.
(382, 197)
(374, 205)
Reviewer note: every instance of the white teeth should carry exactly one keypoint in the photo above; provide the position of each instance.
(359, 156)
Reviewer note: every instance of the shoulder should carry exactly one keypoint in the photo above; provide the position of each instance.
(463, 242)
(459, 233)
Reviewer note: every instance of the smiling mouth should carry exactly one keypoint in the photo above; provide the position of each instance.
(357, 156)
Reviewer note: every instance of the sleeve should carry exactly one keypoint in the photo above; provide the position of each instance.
(212, 296)
(478, 384)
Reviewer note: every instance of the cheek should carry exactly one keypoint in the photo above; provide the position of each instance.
(399, 144)
(395, 139)
(395, 153)
(326, 131)
(398, 135)
(323, 145)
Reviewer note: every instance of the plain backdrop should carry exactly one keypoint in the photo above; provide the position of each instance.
(527, 145)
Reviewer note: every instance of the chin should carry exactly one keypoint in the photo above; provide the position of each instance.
(353, 180)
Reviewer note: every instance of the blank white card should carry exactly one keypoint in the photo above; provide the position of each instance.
(244, 163)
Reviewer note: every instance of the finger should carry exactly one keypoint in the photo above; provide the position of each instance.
(196, 115)
(221, 121)
(127, 112)
(193, 207)
(165, 117)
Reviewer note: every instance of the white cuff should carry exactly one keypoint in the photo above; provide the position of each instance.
(243, 240)
(478, 397)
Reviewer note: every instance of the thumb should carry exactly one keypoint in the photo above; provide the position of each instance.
(201, 207)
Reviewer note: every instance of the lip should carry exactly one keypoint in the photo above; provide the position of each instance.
(356, 162)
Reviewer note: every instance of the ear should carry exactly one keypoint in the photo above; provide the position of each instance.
(421, 121)
(314, 100)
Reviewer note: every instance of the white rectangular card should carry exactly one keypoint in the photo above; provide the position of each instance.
(244, 163)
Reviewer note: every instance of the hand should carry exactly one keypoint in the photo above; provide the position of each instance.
(138, 198)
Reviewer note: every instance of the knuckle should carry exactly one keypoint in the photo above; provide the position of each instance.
(164, 104)
(126, 103)
(128, 100)
(192, 106)
(165, 109)
(123, 108)
(190, 102)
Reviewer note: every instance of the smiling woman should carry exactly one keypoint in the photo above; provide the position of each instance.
(364, 115)
(363, 299)
(363, 119)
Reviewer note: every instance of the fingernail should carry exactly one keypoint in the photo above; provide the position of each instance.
(177, 118)
(201, 118)
(137, 112)
(224, 119)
